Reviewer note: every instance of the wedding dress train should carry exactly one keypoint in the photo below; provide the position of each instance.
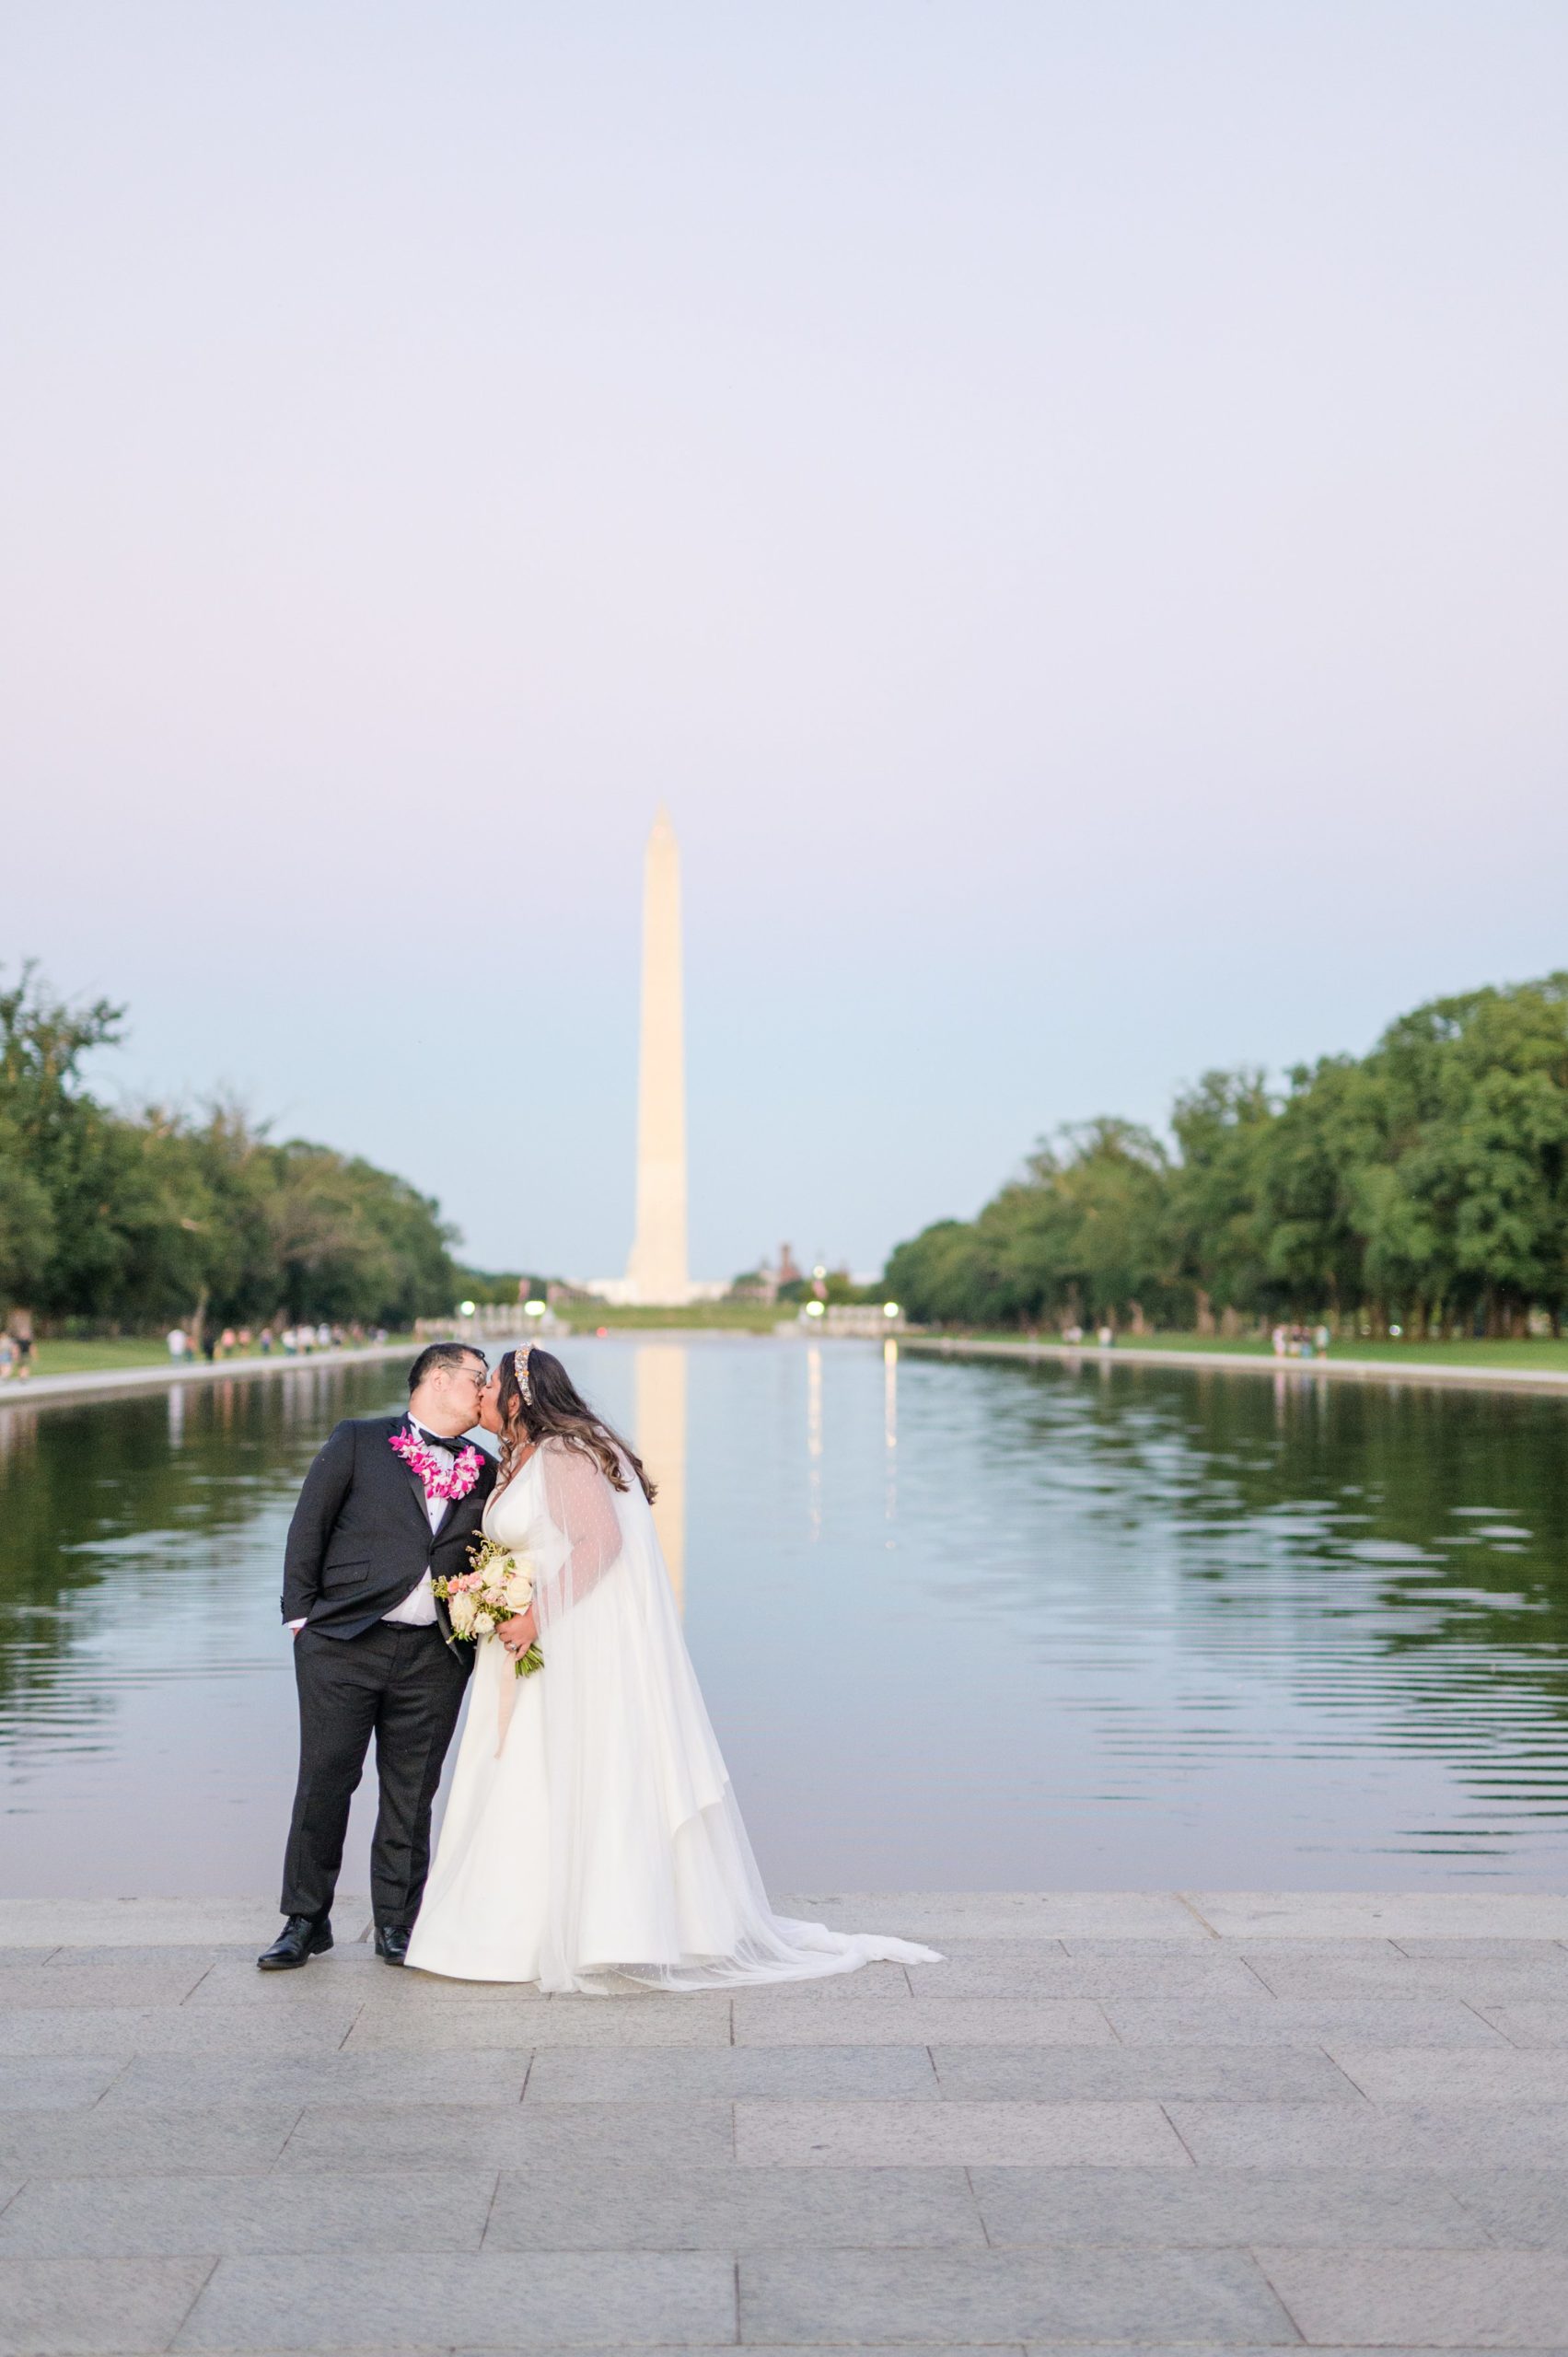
(591, 1830)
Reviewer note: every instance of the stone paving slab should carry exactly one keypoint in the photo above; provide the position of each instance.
(168, 2216)
(1106, 2136)
(1001, 1914)
(130, 2030)
(350, 1974)
(1400, 2136)
(1283, 2021)
(1420, 2074)
(1503, 2299)
(888, 2074)
(977, 2021)
(1216, 2207)
(1422, 1914)
(1521, 2209)
(1466, 1950)
(1528, 2024)
(56, 2082)
(1162, 2073)
(130, 1983)
(452, 2024)
(408, 2137)
(1103, 2294)
(1129, 1969)
(173, 2081)
(706, 2209)
(83, 2306)
(158, 1923)
(95, 2143)
(627, 2298)
(1490, 1980)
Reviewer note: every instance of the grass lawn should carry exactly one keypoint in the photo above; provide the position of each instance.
(1545, 1352)
(123, 1350)
(722, 1317)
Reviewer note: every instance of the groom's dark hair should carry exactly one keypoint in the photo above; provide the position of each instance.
(436, 1355)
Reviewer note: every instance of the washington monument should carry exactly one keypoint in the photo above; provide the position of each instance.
(657, 1270)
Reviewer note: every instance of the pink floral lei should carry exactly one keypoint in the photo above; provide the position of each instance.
(427, 1465)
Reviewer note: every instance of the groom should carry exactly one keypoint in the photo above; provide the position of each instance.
(389, 1502)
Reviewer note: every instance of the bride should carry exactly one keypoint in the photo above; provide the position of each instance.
(591, 1832)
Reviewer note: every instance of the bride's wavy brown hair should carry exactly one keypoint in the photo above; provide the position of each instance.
(559, 1411)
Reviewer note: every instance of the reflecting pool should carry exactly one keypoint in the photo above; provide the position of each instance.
(960, 1625)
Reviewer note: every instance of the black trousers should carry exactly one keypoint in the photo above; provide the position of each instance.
(404, 1686)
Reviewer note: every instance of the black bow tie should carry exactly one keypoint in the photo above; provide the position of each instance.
(433, 1440)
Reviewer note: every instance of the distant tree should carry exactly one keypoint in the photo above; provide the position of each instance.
(59, 1153)
(1221, 1127)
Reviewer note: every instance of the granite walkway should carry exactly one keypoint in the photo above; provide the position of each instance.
(164, 1374)
(1327, 1368)
(1147, 2121)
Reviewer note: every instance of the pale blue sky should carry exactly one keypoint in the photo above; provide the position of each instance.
(1069, 505)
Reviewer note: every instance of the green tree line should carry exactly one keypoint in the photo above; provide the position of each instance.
(1424, 1184)
(116, 1219)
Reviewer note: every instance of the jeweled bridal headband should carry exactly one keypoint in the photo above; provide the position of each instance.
(520, 1369)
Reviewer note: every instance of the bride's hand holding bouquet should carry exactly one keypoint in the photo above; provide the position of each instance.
(496, 1600)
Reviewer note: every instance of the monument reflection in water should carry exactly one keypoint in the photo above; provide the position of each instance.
(959, 1626)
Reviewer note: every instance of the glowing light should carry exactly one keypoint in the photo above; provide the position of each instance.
(814, 1309)
(533, 1309)
(465, 1309)
(889, 1310)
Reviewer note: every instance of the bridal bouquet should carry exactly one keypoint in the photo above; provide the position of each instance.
(500, 1585)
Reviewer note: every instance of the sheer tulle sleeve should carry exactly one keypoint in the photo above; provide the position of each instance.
(581, 1505)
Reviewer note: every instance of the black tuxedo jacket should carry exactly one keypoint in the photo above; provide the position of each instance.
(361, 1540)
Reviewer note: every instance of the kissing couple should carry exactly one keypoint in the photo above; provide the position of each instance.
(591, 1834)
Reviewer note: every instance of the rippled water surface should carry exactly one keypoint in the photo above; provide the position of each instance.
(960, 1625)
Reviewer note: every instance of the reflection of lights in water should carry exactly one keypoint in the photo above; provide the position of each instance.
(814, 1438)
(890, 1420)
(661, 1445)
(176, 1415)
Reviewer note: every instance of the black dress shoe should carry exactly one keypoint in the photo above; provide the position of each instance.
(392, 1942)
(302, 1937)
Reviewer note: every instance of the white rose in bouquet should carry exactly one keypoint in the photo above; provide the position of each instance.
(464, 1612)
(517, 1589)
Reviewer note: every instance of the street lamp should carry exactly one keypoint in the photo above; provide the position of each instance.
(889, 1310)
(465, 1309)
(815, 1309)
(533, 1309)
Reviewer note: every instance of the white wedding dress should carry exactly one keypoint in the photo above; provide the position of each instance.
(591, 1830)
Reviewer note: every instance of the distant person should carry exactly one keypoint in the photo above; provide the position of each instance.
(592, 1832)
(177, 1340)
(7, 1358)
(266, 1341)
(24, 1357)
(209, 1346)
(1280, 1339)
(1107, 1337)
